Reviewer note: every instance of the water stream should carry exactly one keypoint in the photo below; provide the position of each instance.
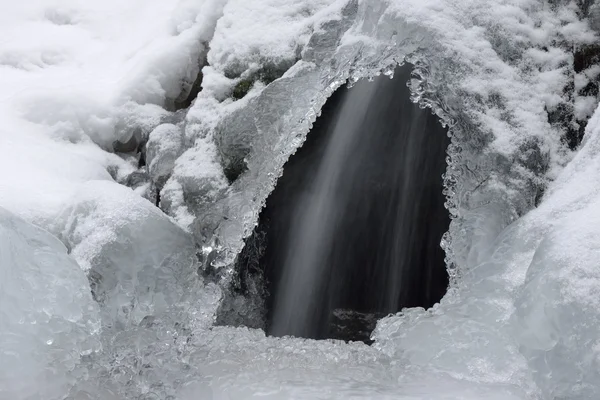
(364, 215)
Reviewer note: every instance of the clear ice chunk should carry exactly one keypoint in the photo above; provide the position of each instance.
(140, 263)
(165, 144)
(48, 319)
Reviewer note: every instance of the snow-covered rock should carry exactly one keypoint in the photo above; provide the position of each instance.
(557, 318)
(140, 263)
(79, 78)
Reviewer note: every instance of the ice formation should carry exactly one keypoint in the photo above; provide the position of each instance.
(98, 95)
(49, 320)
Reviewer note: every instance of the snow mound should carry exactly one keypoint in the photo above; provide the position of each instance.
(82, 78)
(49, 320)
(557, 318)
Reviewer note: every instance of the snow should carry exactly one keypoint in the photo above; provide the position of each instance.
(121, 309)
(584, 107)
(197, 179)
(563, 278)
(245, 33)
(76, 76)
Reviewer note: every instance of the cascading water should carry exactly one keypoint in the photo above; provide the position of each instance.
(361, 219)
(314, 224)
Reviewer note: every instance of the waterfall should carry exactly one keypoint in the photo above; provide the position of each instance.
(314, 223)
(364, 229)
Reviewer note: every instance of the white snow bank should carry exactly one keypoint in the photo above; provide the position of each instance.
(558, 318)
(75, 75)
(48, 319)
(254, 31)
(40, 174)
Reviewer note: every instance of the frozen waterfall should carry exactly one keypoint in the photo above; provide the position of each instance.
(170, 198)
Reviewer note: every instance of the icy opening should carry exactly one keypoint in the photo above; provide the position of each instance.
(352, 231)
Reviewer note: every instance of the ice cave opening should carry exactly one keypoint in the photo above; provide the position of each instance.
(352, 230)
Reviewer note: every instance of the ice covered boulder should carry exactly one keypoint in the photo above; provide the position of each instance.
(557, 316)
(197, 181)
(140, 263)
(48, 318)
(558, 310)
(164, 145)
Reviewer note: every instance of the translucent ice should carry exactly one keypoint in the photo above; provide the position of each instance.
(48, 319)
(557, 318)
(238, 364)
(140, 263)
(165, 144)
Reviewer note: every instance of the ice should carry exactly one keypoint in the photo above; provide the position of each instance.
(532, 299)
(128, 313)
(241, 363)
(140, 263)
(556, 319)
(165, 144)
(48, 319)
(144, 274)
(249, 151)
(491, 72)
(238, 363)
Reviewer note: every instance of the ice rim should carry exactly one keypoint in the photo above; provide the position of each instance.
(503, 149)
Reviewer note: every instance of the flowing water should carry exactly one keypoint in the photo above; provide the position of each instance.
(364, 215)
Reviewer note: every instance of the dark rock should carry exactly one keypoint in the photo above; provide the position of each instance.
(585, 57)
(126, 147)
(350, 325)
